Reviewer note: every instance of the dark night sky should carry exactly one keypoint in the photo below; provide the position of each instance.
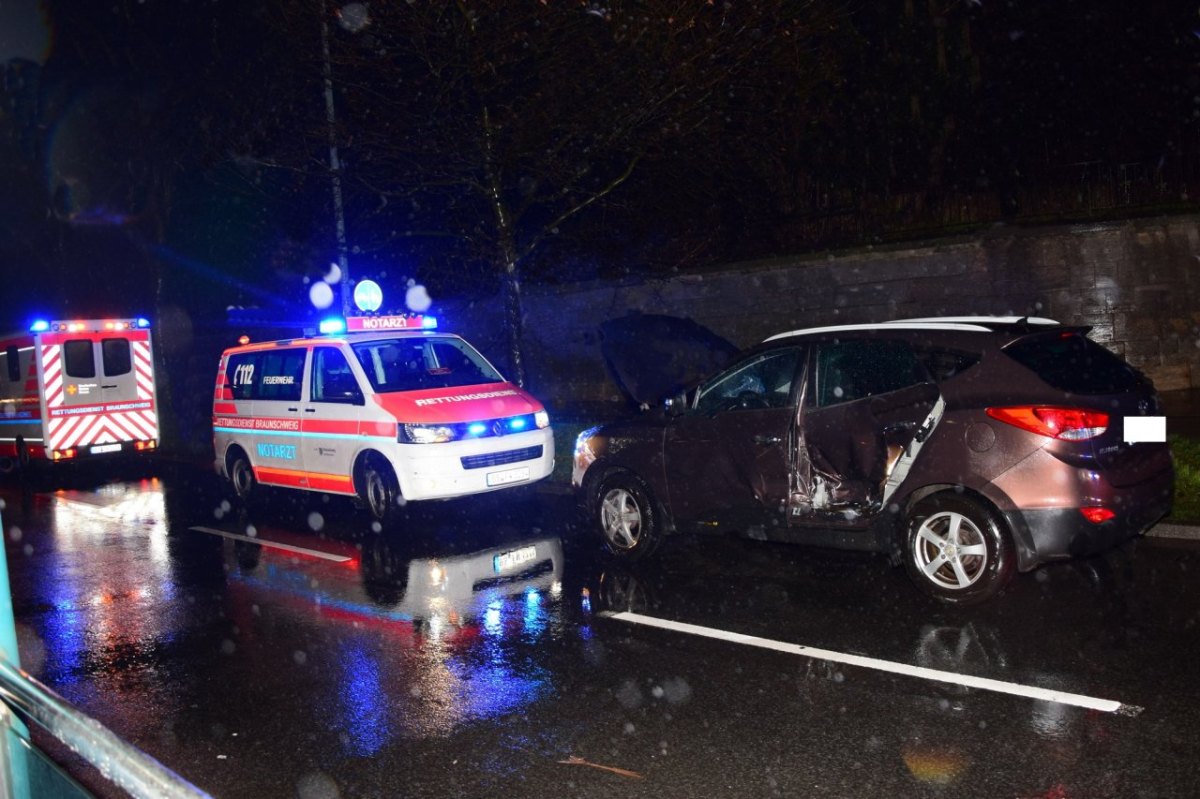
(129, 156)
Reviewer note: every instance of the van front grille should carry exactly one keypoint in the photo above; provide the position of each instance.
(501, 458)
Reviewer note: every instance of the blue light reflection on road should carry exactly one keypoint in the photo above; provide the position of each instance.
(363, 700)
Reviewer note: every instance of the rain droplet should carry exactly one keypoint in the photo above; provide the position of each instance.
(629, 728)
(228, 647)
(315, 521)
(317, 785)
(320, 295)
(300, 657)
(14, 533)
(251, 530)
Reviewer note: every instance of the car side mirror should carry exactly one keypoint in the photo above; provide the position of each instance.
(676, 405)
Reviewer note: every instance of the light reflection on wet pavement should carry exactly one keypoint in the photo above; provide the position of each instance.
(466, 655)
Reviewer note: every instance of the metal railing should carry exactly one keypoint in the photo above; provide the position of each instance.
(23, 775)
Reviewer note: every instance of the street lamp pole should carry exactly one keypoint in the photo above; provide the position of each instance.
(335, 164)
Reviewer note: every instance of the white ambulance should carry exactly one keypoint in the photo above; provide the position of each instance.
(382, 408)
(76, 388)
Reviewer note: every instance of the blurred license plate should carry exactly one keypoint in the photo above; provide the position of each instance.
(100, 449)
(508, 476)
(507, 560)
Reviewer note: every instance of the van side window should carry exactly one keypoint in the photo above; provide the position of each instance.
(115, 354)
(239, 374)
(78, 358)
(332, 380)
(13, 357)
(282, 375)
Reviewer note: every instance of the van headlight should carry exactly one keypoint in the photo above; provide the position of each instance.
(541, 419)
(426, 433)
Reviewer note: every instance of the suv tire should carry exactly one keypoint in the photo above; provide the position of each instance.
(957, 550)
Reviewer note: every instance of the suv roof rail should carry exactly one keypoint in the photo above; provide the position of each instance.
(965, 324)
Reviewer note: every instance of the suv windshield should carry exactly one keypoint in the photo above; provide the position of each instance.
(1072, 362)
(412, 364)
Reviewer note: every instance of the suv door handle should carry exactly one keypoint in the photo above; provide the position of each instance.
(761, 439)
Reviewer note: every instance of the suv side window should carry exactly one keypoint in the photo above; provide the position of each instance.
(944, 364)
(332, 380)
(763, 381)
(859, 368)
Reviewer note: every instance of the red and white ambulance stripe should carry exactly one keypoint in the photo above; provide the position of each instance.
(88, 429)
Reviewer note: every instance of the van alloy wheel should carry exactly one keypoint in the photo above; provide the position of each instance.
(380, 492)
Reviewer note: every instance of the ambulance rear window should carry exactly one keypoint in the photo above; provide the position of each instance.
(412, 364)
(78, 360)
(115, 352)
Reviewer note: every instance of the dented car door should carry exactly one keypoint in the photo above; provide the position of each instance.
(861, 413)
(728, 458)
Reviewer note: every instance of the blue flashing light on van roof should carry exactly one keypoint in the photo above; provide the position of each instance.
(332, 326)
(429, 322)
(142, 322)
(39, 326)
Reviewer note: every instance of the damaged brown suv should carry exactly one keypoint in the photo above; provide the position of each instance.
(967, 448)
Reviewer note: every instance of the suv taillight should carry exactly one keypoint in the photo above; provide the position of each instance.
(1065, 424)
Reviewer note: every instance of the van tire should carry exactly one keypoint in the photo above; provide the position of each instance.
(379, 491)
(241, 476)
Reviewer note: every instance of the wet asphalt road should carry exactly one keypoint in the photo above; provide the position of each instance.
(330, 661)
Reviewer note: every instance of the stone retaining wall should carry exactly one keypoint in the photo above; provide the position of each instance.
(1137, 282)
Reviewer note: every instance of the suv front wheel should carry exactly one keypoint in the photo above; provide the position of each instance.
(956, 550)
(627, 517)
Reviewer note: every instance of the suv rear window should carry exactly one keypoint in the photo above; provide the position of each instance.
(1072, 362)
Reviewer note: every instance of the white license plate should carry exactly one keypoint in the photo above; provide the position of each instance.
(508, 560)
(508, 476)
(100, 449)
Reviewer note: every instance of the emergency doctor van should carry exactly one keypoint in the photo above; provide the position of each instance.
(74, 389)
(382, 408)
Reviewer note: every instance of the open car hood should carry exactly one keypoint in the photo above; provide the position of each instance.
(652, 356)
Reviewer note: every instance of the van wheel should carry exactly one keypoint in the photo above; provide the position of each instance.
(241, 476)
(627, 517)
(957, 550)
(380, 492)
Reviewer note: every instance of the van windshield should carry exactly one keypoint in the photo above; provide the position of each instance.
(412, 364)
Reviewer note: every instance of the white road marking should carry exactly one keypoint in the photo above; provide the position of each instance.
(273, 544)
(920, 672)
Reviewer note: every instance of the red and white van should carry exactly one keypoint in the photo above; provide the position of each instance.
(382, 408)
(74, 389)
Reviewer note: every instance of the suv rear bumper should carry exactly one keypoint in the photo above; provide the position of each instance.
(1061, 533)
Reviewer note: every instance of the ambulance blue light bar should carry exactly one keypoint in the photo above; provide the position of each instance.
(143, 322)
(39, 326)
(332, 326)
(363, 324)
